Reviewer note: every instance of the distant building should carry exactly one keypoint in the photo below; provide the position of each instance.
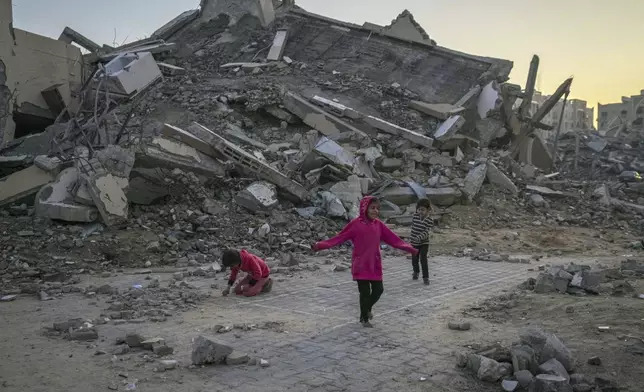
(630, 112)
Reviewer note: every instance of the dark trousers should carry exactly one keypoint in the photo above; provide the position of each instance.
(422, 257)
(370, 292)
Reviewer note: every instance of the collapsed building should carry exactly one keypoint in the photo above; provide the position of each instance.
(299, 109)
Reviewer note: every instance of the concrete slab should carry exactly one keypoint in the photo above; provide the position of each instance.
(55, 200)
(171, 70)
(108, 196)
(313, 116)
(188, 137)
(170, 154)
(449, 127)
(169, 29)
(404, 196)
(23, 184)
(489, 99)
(498, 178)
(393, 129)
(474, 181)
(259, 195)
(441, 111)
(52, 165)
(279, 44)
(146, 186)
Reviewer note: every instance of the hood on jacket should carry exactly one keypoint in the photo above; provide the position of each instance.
(364, 205)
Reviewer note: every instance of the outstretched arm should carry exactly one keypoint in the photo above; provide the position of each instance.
(391, 239)
(345, 235)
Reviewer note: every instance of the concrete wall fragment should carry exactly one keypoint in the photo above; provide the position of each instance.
(55, 200)
(23, 184)
(236, 9)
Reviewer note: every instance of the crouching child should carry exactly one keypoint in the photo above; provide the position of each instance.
(257, 279)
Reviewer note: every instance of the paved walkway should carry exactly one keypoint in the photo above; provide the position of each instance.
(346, 357)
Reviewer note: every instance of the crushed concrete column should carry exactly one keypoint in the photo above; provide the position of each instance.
(55, 201)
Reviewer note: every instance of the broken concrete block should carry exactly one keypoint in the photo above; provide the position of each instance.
(54, 200)
(524, 358)
(549, 383)
(404, 196)
(439, 159)
(474, 181)
(315, 117)
(449, 127)
(498, 178)
(331, 204)
(237, 358)
(279, 44)
(258, 196)
(132, 73)
(545, 284)
(543, 190)
(547, 346)
(188, 137)
(555, 368)
(349, 192)
(587, 280)
(23, 184)
(171, 154)
(488, 369)
(171, 70)
(389, 165)
(602, 193)
(206, 350)
(489, 99)
(116, 160)
(393, 129)
(524, 377)
(108, 196)
(533, 151)
(52, 165)
(281, 114)
(145, 186)
(439, 110)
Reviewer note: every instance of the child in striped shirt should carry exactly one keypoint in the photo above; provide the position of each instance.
(421, 227)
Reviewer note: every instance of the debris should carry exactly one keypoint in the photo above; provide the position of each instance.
(171, 70)
(258, 196)
(474, 181)
(524, 377)
(23, 184)
(206, 350)
(488, 369)
(264, 363)
(594, 361)
(439, 110)
(8, 298)
(498, 178)
(54, 201)
(449, 128)
(553, 367)
(279, 44)
(546, 346)
(236, 358)
(525, 358)
(550, 383)
(459, 326)
(509, 385)
(169, 364)
(130, 73)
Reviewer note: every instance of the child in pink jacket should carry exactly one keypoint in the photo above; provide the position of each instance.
(366, 232)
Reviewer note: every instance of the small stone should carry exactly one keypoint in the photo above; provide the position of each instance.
(121, 350)
(134, 340)
(237, 358)
(459, 326)
(206, 350)
(162, 350)
(8, 298)
(169, 364)
(264, 363)
(595, 361)
(150, 343)
(570, 309)
(509, 385)
(84, 335)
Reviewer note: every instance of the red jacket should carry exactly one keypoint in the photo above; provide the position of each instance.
(253, 265)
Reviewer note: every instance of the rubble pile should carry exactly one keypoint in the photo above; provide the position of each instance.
(579, 279)
(239, 131)
(539, 361)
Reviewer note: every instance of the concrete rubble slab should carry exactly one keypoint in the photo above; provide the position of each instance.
(23, 184)
(172, 27)
(403, 196)
(474, 181)
(247, 67)
(258, 196)
(334, 152)
(393, 129)
(498, 178)
(449, 127)
(55, 99)
(248, 163)
(55, 201)
(349, 192)
(542, 190)
(170, 154)
(440, 159)
(15, 161)
(70, 35)
(279, 44)
(171, 70)
(442, 111)
(533, 151)
(188, 137)
(281, 114)
(489, 99)
(52, 165)
(313, 116)
(234, 132)
(152, 47)
(107, 193)
(131, 73)
(489, 129)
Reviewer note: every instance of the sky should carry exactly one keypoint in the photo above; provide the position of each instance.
(596, 41)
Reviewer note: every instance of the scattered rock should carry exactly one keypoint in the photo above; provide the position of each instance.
(162, 350)
(621, 288)
(509, 385)
(550, 383)
(594, 361)
(264, 363)
(134, 340)
(546, 346)
(169, 364)
(554, 367)
(459, 326)
(524, 377)
(524, 358)
(487, 369)
(206, 350)
(545, 284)
(237, 358)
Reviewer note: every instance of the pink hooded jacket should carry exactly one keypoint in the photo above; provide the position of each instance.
(366, 235)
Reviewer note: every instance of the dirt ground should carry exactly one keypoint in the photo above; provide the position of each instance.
(34, 361)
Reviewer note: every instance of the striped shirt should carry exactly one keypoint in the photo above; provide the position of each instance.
(420, 230)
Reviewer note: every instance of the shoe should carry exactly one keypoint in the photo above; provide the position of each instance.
(370, 315)
(415, 276)
(268, 286)
(426, 282)
(366, 324)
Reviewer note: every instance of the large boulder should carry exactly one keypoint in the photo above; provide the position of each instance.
(206, 350)
(546, 346)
